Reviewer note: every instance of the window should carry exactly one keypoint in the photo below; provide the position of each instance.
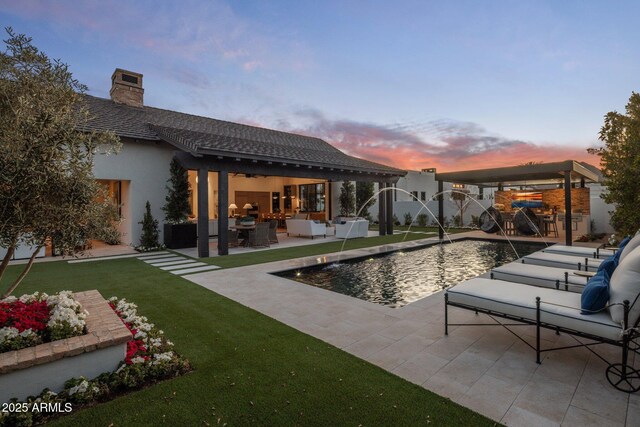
(414, 195)
(423, 196)
(312, 197)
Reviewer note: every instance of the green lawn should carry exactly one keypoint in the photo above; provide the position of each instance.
(275, 254)
(248, 368)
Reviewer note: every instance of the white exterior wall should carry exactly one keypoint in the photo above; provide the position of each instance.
(144, 168)
(404, 203)
(600, 210)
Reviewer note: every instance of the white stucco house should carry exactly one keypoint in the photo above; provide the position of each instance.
(230, 164)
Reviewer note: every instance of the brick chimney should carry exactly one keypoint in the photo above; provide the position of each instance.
(126, 88)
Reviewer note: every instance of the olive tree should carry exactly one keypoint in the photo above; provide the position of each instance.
(620, 164)
(47, 188)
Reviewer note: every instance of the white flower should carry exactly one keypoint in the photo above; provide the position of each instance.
(162, 357)
(27, 333)
(9, 299)
(65, 311)
(137, 359)
(7, 333)
(80, 388)
(170, 343)
(154, 342)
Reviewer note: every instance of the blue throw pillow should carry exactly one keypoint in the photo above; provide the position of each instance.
(596, 294)
(609, 265)
(623, 243)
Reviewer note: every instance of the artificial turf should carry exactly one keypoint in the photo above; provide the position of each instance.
(275, 254)
(248, 368)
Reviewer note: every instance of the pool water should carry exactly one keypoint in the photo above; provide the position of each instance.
(399, 278)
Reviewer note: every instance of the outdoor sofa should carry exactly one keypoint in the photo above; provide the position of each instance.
(352, 229)
(561, 311)
(306, 228)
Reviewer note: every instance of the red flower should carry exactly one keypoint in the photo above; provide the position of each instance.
(22, 316)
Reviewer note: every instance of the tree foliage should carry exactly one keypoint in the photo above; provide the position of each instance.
(47, 188)
(620, 164)
(460, 196)
(149, 238)
(364, 192)
(177, 207)
(347, 199)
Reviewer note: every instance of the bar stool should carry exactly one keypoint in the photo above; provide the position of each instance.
(550, 225)
(508, 227)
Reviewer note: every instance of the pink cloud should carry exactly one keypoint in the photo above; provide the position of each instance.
(444, 144)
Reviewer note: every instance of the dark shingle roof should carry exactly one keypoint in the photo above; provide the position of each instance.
(204, 135)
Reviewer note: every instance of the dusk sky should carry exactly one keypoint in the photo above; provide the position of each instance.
(415, 84)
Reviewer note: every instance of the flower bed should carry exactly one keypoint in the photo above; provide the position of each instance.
(33, 319)
(150, 357)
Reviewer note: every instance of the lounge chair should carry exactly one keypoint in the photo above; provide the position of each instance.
(579, 251)
(561, 311)
(538, 275)
(562, 261)
(578, 262)
(602, 252)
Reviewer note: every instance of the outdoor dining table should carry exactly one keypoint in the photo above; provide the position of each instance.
(243, 230)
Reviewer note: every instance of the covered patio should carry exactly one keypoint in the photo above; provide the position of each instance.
(251, 151)
(567, 175)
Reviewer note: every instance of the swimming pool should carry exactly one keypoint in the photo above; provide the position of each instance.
(399, 278)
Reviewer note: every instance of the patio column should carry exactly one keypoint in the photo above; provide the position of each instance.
(382, 221)
(203, 213)
(440, 209)
(389, 213)
(567, 208)
(223, 213)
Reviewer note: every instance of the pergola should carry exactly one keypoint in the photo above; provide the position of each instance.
(568, 172)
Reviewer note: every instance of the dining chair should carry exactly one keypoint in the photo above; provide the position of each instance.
(232, 236)
(260, 235)
(273, 228)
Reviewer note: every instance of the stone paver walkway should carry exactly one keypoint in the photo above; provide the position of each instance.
(483, 368)
(164, 260)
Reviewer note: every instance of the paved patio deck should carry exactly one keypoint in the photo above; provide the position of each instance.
(486, 369)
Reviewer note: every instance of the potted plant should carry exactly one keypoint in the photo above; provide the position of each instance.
(247, 220)
(178, 231)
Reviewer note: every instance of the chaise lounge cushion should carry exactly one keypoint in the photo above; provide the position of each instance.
(519, 300)
(578, 251)
(562, 261)
(626, 249)
(538, 275)
(596, 294)
(625, 285)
